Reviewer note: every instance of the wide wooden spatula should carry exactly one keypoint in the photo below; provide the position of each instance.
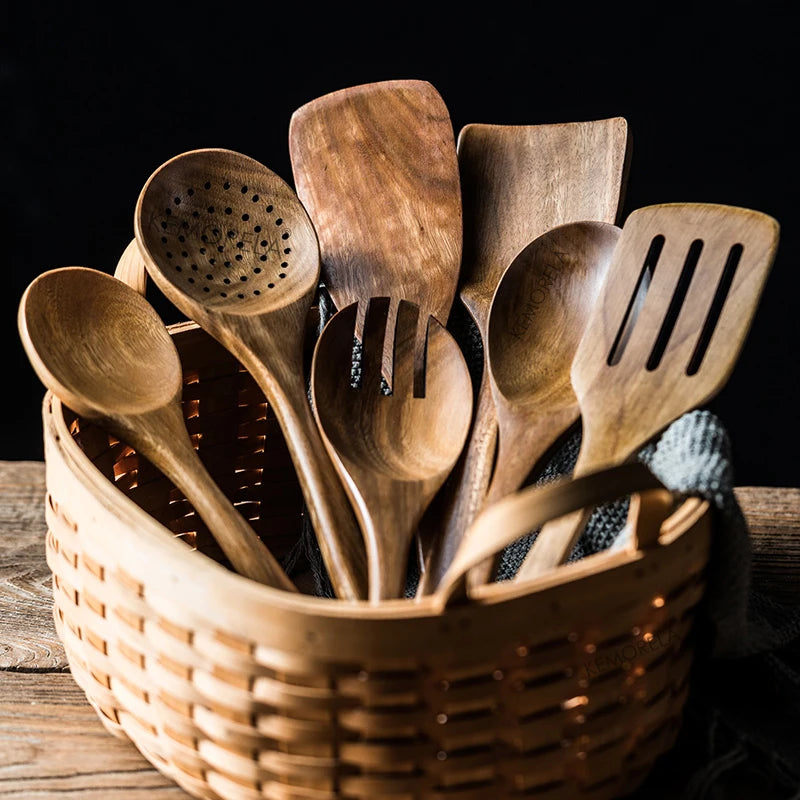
(376, 168)
(677, 303)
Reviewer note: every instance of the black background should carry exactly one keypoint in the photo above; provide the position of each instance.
(93, 103)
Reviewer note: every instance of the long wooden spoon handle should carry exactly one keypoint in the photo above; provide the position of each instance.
(180, 462)
(553, 544)
(465, 493)
(558, 536)
(332, 516)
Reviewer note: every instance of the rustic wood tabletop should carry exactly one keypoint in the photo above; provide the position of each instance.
(52, 744)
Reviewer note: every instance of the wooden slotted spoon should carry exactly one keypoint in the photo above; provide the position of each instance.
(102, 349)
(375, 165)
(704, 267)
(394, 452)
(230, 244)
(517, 181)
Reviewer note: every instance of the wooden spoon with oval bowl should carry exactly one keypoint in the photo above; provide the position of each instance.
(102, 349)
(376, 167)
(517, 181)
(230, 244)
(393, 451)
(704, 266)
(536, 321)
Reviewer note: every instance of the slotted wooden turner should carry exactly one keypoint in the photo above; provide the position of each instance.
(641, 364)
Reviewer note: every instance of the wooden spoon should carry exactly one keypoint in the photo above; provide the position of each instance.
(536, 320)
(706, 265)
(375, 166)
(394, 451)
(102, 349)
(517, 181)
(230, 244)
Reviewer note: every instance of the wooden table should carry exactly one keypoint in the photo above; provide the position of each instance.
(52, 743)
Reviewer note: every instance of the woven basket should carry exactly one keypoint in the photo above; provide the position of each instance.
(568, 687)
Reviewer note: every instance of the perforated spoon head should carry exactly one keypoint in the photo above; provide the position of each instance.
(223, 234)
(642, 363)
(76, 327)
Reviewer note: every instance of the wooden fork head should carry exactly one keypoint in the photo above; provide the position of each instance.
(379, 419)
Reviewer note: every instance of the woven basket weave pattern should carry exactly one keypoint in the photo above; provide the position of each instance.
(239, 691)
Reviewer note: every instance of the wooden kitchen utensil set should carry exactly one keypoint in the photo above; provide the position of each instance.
(245, 428)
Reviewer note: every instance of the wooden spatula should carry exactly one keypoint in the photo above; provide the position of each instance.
(375, 166)
(517, 181)
(704, 267)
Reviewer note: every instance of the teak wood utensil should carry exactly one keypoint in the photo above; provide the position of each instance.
(536, 321)
(517, 182)
(704, 267)
(230, 244)
(376, 168)
(102, 349)
(394, 451)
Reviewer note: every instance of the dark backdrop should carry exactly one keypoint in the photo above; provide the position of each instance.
(93, 103)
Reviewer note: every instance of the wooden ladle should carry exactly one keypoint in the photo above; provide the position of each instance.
(102, 349)
(393, 451)
(641, 364)
(229, 243)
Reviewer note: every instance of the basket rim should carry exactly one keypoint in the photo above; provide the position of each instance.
(174, 556)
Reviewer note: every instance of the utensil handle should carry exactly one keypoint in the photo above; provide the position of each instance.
(519, 513)
(464, 494)
(173, 453)
(332, 516)
(558, 537)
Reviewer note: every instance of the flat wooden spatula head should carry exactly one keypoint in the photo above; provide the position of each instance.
(376, 167)
(677, 304)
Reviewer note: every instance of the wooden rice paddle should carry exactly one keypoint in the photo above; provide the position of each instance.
(102, 349)
(393, 451)
(230, 244)
(375, 166)
(703, 267)
(517, 181)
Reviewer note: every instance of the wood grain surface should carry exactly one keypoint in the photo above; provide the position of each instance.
(53, 745)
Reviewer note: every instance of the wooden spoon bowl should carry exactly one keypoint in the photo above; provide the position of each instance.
(536, 320)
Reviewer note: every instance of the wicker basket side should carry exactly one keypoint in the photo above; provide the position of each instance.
(569, 688)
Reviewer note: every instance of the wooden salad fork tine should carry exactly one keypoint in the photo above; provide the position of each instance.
(393, 451)
(704, 267)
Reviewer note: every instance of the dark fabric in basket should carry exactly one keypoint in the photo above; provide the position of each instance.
(741, 731)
